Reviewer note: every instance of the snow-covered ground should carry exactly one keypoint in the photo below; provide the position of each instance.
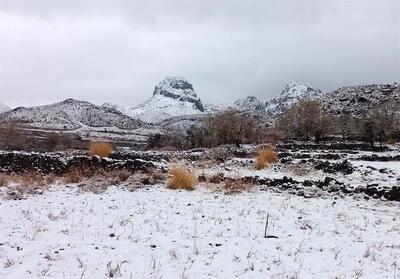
(159, 233)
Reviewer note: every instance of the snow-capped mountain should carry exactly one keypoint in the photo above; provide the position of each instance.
(173, 96)
(4, 108)
(70, 115)
(290, 95)
(360, 100)
(249, 104)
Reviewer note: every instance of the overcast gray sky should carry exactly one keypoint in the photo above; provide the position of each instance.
(117, 51)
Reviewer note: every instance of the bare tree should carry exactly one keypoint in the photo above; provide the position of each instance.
(305, 120)
(233, 127)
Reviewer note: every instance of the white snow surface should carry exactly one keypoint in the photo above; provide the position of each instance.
(159, 233)
(160, 107)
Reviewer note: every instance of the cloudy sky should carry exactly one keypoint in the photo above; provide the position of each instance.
(117, 51)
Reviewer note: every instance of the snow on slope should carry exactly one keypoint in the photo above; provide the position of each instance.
(249, 104)
(155, 232)
(173, 96)
(4, 108)
(70, 115)
(290, 95)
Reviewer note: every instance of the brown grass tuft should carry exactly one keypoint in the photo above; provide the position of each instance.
(265, 157)
(102, 149)
(181, 178)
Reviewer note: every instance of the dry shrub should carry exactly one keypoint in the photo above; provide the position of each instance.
(265, 157)
(31, 182)
(157, 176)
(97, 184)
(102, 149)
(215, 156)
(122, 175)
(391, 141)
(181, 178)
(75, 175)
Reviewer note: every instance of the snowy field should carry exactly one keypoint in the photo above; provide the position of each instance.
(159, 233)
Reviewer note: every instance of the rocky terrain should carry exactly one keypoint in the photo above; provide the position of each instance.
(305, 169)
(361, 100)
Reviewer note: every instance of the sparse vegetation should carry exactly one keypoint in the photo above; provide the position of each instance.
(181, 178)
(265, 157)
(102, 149)
(226, 127)
(305, 120)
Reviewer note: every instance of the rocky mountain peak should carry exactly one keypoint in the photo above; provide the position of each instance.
(295, 90)
(180, 89)
(172, 97)
(250, 103)
(291, 94)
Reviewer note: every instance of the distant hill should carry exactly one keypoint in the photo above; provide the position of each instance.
(71, 114)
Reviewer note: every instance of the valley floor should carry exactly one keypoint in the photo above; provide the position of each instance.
(159, 233)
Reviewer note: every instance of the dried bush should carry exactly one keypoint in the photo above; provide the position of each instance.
(74, 175)
(122, 175)
(214, 156)
(181, 178)
(102, 149)
(96, 184)
(157, 176)
(265, 157)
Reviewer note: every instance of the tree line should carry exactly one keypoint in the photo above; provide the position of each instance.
(304, 121)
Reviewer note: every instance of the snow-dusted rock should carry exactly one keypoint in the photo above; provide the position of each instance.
(173, 96)
(71, 114)
(290, 95)
(361, 100)
(249, 104)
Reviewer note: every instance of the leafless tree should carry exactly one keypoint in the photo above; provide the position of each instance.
(305, 120)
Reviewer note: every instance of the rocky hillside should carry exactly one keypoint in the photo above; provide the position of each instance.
(70, 115)
(361, 100)
(290, 95)
(173, 96)
(249, 104)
